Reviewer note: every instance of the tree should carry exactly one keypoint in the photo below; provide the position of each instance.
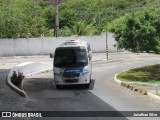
(137, 31)
(48, 14)
(81, 28)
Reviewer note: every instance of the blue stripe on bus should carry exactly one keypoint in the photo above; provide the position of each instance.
(80, 70)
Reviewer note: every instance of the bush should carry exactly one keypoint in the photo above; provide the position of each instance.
(17, 79)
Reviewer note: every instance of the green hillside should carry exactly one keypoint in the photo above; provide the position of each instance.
(100, 12)
(29, 18)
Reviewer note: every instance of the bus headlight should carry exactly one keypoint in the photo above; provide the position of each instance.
(85, 71)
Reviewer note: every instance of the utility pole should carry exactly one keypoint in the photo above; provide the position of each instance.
(107, 45)
(56, 30)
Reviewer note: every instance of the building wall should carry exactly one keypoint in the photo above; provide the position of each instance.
(41, 46)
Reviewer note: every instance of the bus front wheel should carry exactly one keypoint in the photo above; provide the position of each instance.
(87, 86)
(58, 86)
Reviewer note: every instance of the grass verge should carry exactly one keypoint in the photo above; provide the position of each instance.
(147, 74)
(158, 94)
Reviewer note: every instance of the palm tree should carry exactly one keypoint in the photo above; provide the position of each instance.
(81, 28)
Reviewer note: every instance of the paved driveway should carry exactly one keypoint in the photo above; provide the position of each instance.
(106, 95)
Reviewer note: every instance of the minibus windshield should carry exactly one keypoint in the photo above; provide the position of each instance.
(70, 57)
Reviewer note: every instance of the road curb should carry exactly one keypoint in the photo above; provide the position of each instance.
(140, 90)
(18, 90)
(154, 96)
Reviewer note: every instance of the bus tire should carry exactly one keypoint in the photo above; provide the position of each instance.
(87, 86)
(58, 86)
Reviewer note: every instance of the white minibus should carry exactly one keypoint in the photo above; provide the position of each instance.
(72, 63)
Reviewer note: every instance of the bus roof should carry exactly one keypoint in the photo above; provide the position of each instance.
(74, 43)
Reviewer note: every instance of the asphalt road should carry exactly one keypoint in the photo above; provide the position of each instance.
(106, 95)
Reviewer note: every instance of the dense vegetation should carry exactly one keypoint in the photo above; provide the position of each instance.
(27, 18)
(21, 18)
(98, 13)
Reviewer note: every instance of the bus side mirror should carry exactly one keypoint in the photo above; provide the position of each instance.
(51, 55)
(90, 55)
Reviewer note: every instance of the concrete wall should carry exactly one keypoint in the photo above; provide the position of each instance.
(111, 42)
(41, 46)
